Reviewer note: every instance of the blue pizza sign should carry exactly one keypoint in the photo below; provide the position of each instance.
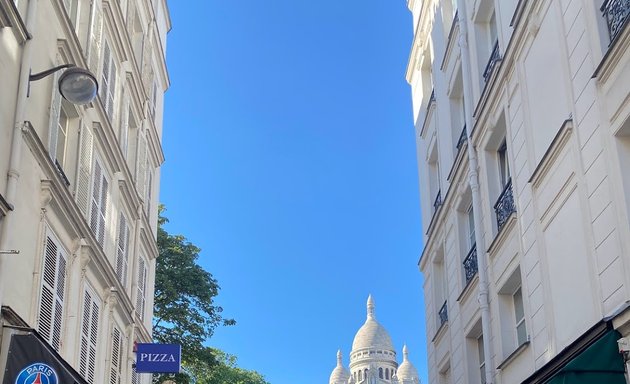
(158, 358)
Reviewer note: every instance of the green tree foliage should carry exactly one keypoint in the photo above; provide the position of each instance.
(184, 310)
(185, 314)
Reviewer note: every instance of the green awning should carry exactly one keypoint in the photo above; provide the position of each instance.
(599, 363)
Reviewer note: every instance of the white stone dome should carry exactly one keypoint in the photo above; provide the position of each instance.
(339, 375)
(406, 371)
(372, 335)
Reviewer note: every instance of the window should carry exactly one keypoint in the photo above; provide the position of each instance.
(98, 212)
(116, 356)
(142, 286)
(122, 250)
(72, 7)
(89, 335)
(62, 135)
(84, 171)
(512, 314)
(504, 168)
(380, 373)
(482, 360)
(519, 316)
(471, 227)
(52, 292)
(108, 82)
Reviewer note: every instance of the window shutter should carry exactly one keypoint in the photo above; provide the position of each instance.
(141, 166)
(55, 110)
(52, 293)
(96, 32)
(98, 212)
(116, 357)
(82, 193)
(111, 91)
(124, 125)
(142, 282)
(122, 251)
(89, 337)
(104, 86)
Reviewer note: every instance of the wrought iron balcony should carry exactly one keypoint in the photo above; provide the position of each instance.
(470, 264)
(494, 58)
(504, 206)
(616, 14)
(438, 201)
(462, 138)
(443, 314)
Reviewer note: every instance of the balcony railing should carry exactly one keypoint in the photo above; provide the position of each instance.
(438, 201)
(504, 206)
(443, 314)
(462, 138)
(470, 264)
(494, 58)
(616, 14)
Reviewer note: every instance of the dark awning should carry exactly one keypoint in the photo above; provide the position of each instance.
(29, 356)
(599, 363)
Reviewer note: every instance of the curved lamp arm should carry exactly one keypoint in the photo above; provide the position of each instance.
(41, 75)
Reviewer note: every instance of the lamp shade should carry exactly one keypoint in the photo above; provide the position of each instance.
(78, 85)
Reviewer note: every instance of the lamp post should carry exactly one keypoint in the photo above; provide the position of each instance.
(77, 85)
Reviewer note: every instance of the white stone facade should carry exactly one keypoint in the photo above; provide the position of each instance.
(80, 202)
(521, 112)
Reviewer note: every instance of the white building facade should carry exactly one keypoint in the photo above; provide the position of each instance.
(521, 111)
(373, 358)
(79, 203)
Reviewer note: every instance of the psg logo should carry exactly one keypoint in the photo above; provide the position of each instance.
(38, 373)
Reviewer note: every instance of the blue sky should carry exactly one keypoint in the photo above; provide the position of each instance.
(290, 161)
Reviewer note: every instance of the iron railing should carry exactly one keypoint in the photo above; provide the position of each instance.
(462, 138)
(438, 201)
(494, 58)
(504, 206)
(616, 14)
(470, 264)
(443, 314)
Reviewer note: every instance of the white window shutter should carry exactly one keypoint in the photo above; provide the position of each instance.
(111, 101)
(142, 283)
(141, 166)
(82, 193)
(116, 357)
(52, 293)
(96, 194)
(89, 336)
(53, 123)
(98, 212)
(124, 125)
(122, 250)
(96, 35)
(104, 86)
(103, 210)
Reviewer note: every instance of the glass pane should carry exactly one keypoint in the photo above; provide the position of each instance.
(519, 313)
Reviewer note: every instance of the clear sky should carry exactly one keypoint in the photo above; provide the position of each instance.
(290, 160)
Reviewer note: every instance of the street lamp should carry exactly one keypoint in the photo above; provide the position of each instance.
(77, 85)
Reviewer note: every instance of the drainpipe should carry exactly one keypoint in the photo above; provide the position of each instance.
(16, 140)
(473, 174)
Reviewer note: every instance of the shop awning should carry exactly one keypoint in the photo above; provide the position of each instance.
(599, 363)
(31, 360)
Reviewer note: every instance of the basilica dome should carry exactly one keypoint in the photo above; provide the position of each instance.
(406, 371)
(339, 375)
(372, 334)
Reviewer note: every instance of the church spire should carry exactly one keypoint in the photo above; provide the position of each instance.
(405, 353)
(339, 364)
(370, 307)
